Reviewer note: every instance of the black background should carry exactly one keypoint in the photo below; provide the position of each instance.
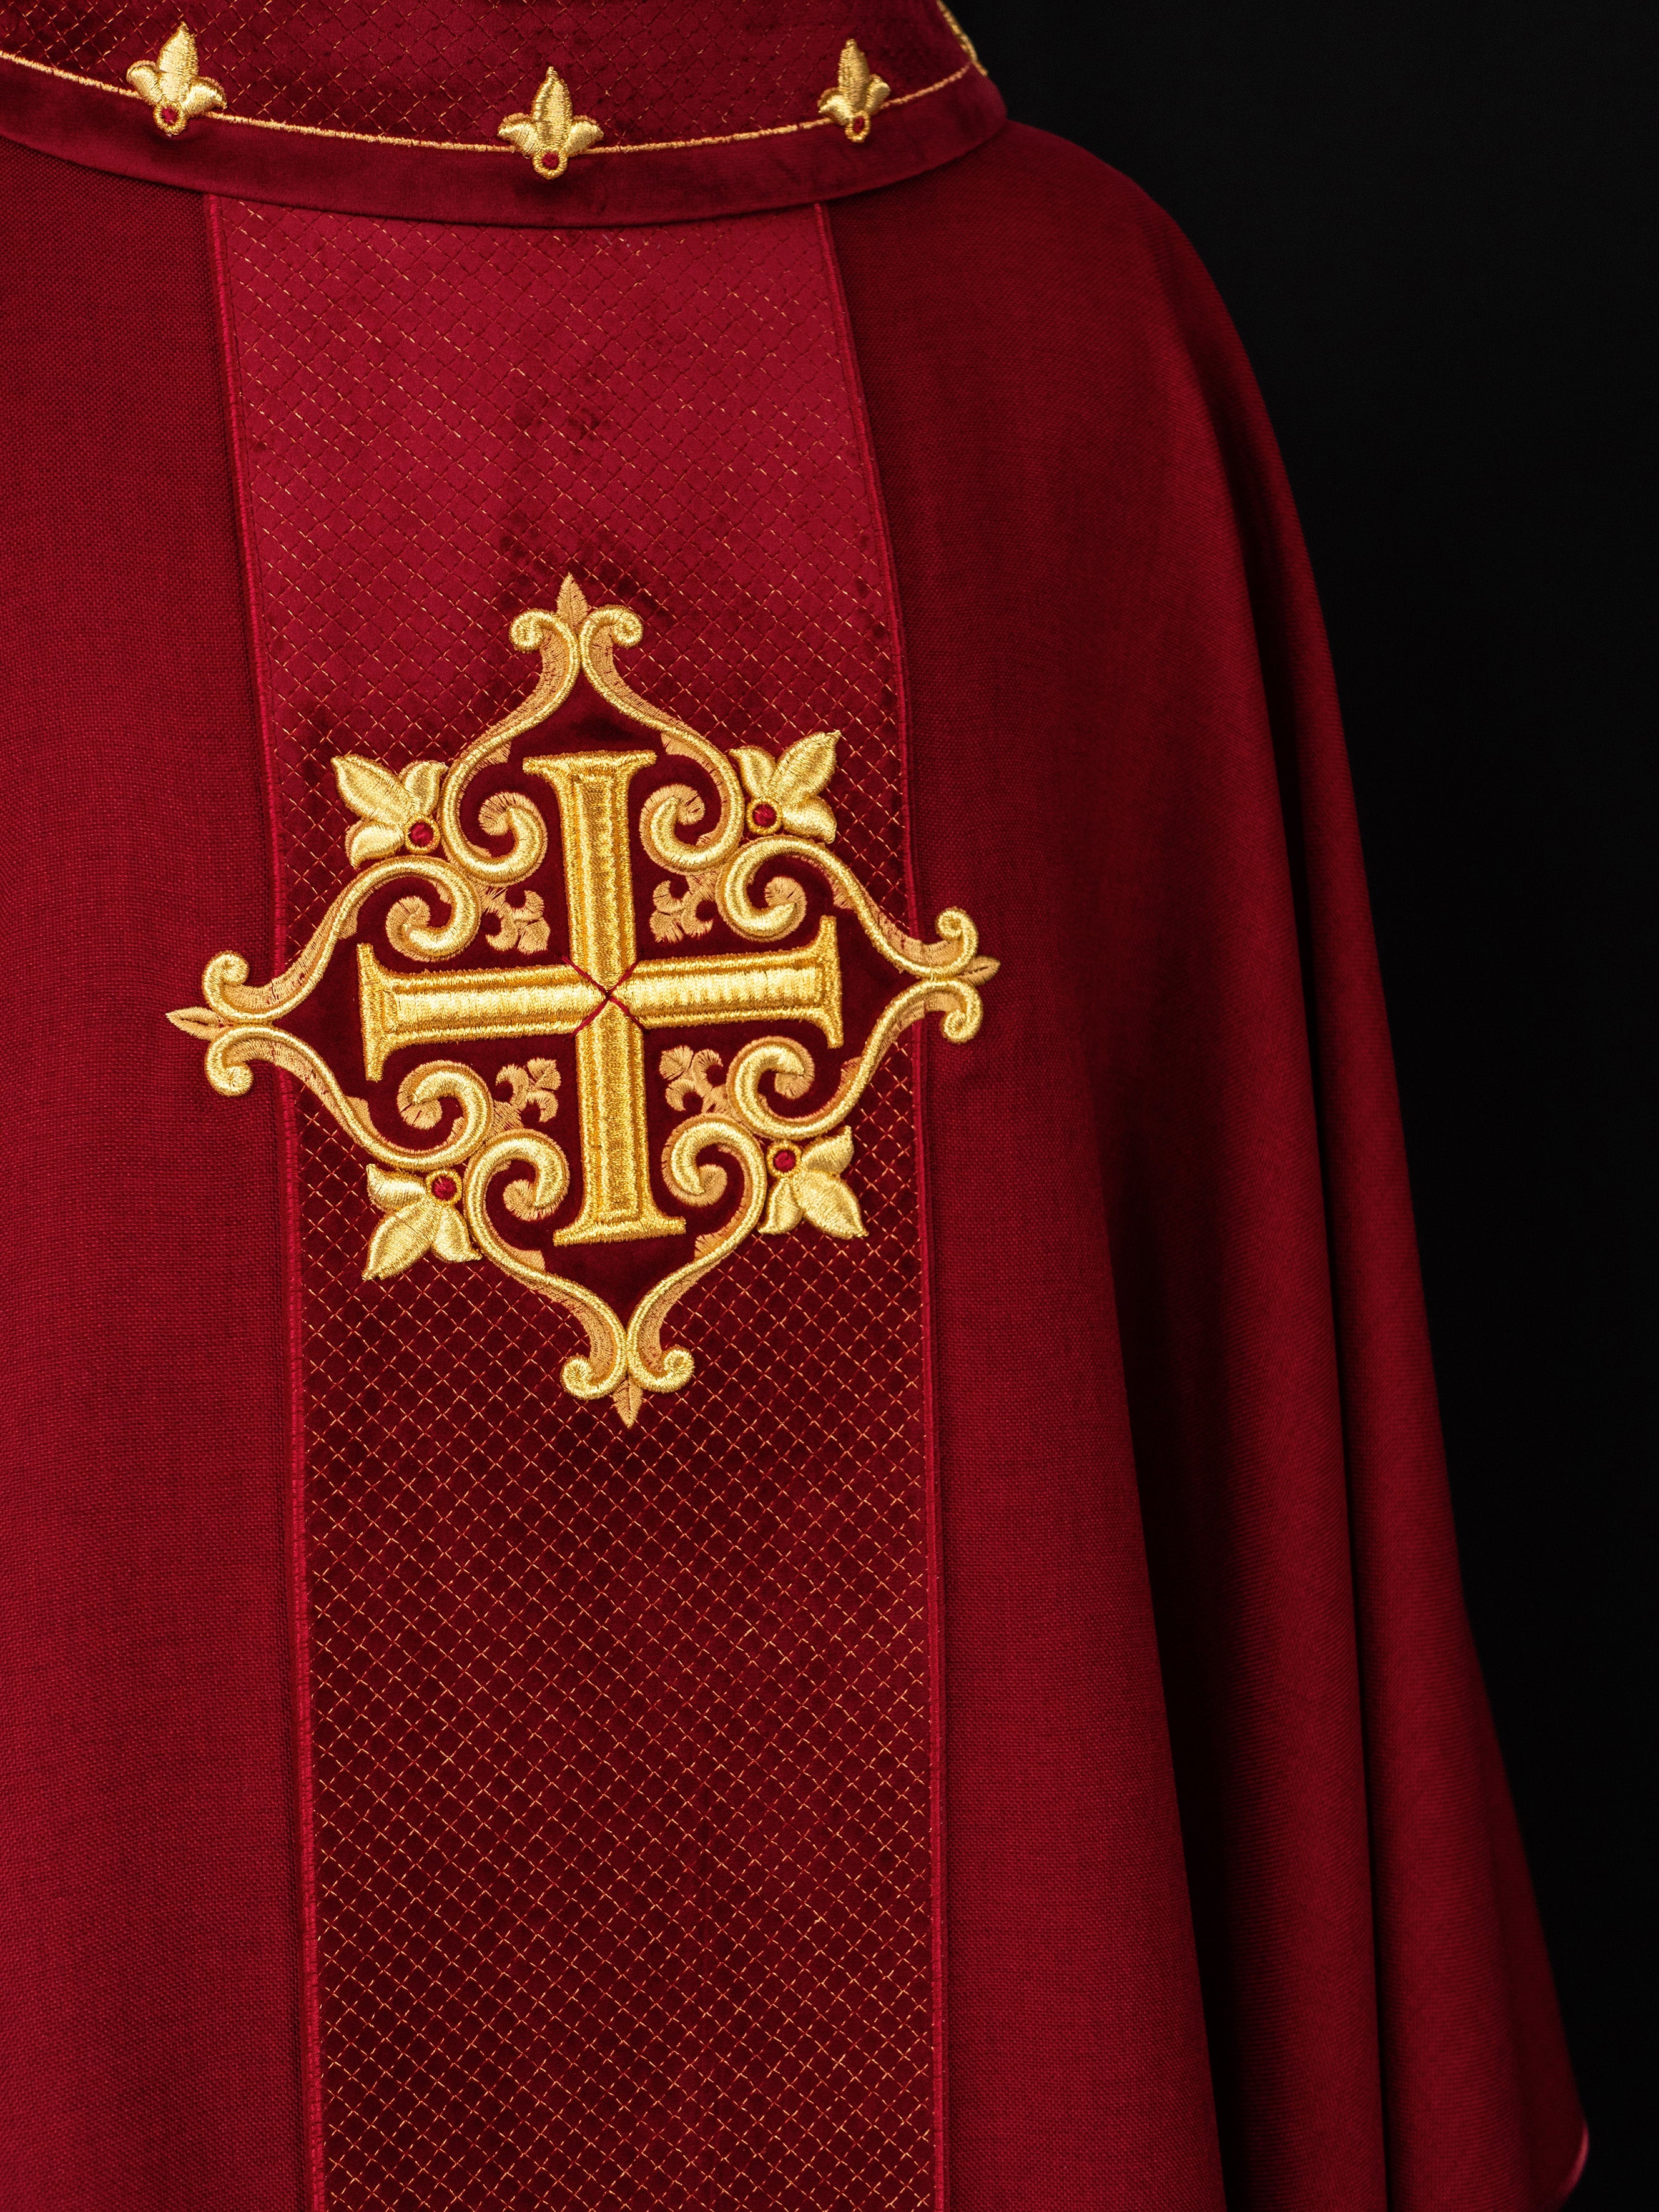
(1433, 226)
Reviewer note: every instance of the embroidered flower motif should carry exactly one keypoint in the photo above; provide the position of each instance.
(691, 1075)
(535, 1090)
(176, 95)
(783, 794)
(680, 916)
(421, 1215)
(809, 1182)
(551, 128)
(523, 927)
(855, 95)
(396, 811)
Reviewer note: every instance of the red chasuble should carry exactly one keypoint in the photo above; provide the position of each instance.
(723, 1486)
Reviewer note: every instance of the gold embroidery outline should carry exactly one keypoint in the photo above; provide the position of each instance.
(605, 995)
(483, 145)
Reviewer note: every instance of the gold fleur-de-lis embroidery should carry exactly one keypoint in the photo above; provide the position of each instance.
(783, 794)
(855, 95)
(809, 1183)
(423, 1215)
(176, 95)
(552, 131)
(394, 811)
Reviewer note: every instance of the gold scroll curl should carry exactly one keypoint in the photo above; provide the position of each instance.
(421, 1094)
(677, 805)
(536, 630)
(954, 952)
(648, 1364)
(791, 1064)
(619, 1363)
(601, 1373)
(410, 927)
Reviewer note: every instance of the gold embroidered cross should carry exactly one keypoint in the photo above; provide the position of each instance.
(604, 996)
(442, 1197)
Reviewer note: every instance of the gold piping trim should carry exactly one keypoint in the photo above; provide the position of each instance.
(963, 39)
(480, 146)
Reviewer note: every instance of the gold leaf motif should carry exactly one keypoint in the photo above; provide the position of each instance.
(782, 1210)
(827, 1204)
(389, 806)
(416, 1224)
(450, 1240)
(676, 916)
(855, 95)
(552, 131)
(176, 95)
(690, 1075)
(783, 793)
(813, 1188)
(198, 1022)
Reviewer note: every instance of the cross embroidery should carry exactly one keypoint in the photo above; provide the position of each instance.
(604, 996)
(444, 1196)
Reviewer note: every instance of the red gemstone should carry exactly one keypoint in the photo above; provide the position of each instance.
(421, 835)
(762, 815)
(169, 114)
(784, 1161)
(444, 1187)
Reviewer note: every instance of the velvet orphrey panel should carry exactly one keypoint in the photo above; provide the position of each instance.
(622, 1739)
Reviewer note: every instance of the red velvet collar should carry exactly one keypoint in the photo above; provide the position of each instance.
(396, 110)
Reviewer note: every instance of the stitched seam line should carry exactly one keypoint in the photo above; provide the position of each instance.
(298, 1591)
(610, 998)
(863, 441)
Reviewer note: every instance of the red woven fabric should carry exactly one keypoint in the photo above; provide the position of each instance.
(1235, 1904)
(620, 181)
(621, 1737)
(452, 68)
(1124, 741)
(148, 1989)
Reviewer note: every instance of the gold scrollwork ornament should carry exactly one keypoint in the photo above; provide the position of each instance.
(418, 827)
